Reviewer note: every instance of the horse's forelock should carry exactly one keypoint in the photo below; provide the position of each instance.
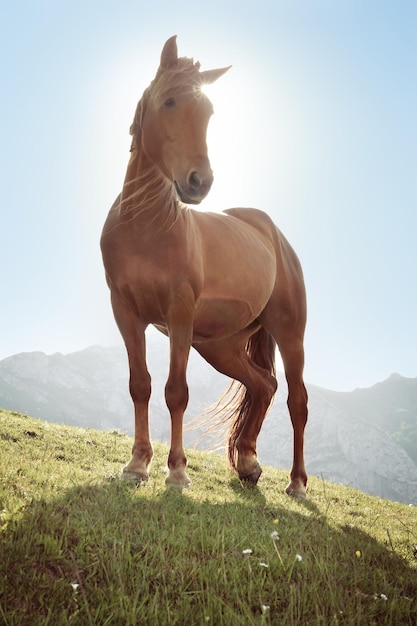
(182, 77)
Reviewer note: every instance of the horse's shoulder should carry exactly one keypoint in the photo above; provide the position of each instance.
(248, 214)
(254, 217)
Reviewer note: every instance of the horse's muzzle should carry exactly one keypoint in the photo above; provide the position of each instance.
(195, 189)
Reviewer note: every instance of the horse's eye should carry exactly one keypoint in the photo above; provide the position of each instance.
(169, 103)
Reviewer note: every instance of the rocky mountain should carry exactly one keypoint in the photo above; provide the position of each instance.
(363, 438)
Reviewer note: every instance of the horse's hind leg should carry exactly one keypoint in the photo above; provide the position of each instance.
(289, 337)
(293, 359)
(230, 358)
(133, 333)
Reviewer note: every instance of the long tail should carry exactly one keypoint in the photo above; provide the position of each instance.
(235, 405)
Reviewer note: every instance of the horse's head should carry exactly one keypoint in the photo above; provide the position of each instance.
(171, 122)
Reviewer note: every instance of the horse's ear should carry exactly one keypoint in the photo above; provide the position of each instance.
(169, 55)
(209, 76)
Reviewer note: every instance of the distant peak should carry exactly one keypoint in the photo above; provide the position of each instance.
(395, 376)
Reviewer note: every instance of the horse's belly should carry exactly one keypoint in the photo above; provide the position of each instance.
(221, 317)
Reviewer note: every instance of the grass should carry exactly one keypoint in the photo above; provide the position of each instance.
(78, 545)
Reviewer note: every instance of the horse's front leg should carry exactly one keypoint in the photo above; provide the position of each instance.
(176, 396)
(140, 391)
(133, 332)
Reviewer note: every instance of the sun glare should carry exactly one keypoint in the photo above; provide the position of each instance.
(227, 142)
(257, 140)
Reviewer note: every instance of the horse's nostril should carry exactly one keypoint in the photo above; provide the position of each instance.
(194, 180)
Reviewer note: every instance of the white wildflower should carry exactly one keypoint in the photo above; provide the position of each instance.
(265, 608)
(263, 564)
(75, 586)
(247, 551)
(298, 557)
(274, 535)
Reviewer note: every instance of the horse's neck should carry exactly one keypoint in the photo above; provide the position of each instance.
(147, 198)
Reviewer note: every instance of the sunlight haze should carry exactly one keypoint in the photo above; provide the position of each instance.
(315, 123)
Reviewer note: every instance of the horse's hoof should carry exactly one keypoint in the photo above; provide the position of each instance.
(136, 477)
(177, 479)
(299, 492)
(251, 477)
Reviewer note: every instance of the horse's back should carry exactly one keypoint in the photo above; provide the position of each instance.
(266, 227)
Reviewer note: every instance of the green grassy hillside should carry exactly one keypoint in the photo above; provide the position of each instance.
(80, 546)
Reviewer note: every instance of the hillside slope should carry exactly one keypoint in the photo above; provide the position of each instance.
(351, 438)
(81, 546)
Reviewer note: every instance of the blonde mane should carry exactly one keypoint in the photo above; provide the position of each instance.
(150, 191)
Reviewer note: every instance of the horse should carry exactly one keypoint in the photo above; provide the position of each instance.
(227, 284)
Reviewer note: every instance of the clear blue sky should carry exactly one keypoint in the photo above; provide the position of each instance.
(316, 123)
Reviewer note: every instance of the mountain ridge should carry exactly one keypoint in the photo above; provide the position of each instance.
(350, 437)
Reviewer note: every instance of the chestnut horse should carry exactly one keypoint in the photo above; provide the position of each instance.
(228, 284)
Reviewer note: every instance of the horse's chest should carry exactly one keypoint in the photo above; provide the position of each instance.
(153, 288)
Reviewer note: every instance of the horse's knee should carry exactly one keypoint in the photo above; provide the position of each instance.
(140, 388)
(176, 396)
